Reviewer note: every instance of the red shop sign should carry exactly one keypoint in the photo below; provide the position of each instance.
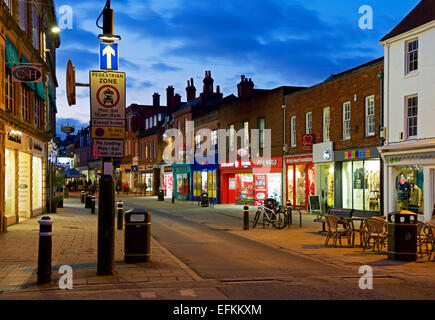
(299, 159)
(307, 142)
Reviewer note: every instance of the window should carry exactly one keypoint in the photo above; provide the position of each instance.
(346, 120)
(25, 102)
(261, 127)
(155, 121)
(412, 115)
(197, 141)
(35, 29)
(23, 15)
(370, 116)
(154, 149)
(9, 5)
(326, 123)
(231, 138)
(37, 112)
(146, 123)
(309, 123)
(411, 56)
(246, 134)
(293, 131)
(159, 117)
(9, 91)
(214, 137)
(146, 150)
(179, 126)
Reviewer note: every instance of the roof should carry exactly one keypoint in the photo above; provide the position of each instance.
(367, 64)
(423, 13)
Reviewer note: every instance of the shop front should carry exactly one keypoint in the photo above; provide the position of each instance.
(358, 180)
(250, 182)
(147, 179)
(25, 162)
(205, 180)
(181, 179)
(300, 179)
(409, 182)
(323, 159)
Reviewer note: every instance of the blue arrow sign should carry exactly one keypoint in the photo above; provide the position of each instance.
(109, 58)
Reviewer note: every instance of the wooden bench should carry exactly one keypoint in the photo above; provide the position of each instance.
(337, 212)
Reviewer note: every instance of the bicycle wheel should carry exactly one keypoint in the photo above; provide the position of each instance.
(280, 221)
(256, 218)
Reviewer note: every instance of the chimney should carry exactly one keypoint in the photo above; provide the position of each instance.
(170, 97)
(190, 90)
(208, 83)
(156, 100)
(245, 88)
(177, 100)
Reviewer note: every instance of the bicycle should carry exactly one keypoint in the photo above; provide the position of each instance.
(272, 213)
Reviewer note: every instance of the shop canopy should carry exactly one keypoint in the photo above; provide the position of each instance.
(11, 54)
(73, 173)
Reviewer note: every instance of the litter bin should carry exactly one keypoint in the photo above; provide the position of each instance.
(82, 196)
(88, 201)
(204, 200)
(137, 236)
(160, 195)
(65, 193)
(402, 236)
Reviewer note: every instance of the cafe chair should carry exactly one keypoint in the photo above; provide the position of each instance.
(376, 230)
(431, 239)
(335, 232)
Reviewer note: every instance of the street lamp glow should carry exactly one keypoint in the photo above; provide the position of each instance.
(55, 29)
(109, 38)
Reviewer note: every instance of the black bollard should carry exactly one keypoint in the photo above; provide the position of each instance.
(45, 248)
(246, 217)
(120, 213)
(289, 212)
(82, 197)
(106, 226)
(173, 198)
(93, 204)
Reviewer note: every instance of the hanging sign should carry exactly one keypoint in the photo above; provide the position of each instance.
(26, 74)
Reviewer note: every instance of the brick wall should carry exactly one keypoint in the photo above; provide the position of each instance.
(358, 83)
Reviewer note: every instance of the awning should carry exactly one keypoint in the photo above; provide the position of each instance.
(31, 85)
(40, 90)
(11, 54)
(73, 173)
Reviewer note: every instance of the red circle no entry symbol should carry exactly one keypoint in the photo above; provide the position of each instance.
(108, 96)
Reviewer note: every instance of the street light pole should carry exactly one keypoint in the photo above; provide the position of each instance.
(284, 150)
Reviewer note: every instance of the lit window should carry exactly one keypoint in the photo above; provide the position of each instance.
(197, 141)
(293, 131)
(9, 91)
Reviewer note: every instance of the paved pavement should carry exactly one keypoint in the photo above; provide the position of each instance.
(165, 277)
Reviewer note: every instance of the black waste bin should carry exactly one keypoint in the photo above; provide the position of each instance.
(204, 200)
(88, 201)
(402, 236)
(160, 195)
(137, 236)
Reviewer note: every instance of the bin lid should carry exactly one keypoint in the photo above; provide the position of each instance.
(406, 212)
(137, 215)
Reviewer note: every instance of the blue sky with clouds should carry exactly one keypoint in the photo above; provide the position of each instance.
(274, 42)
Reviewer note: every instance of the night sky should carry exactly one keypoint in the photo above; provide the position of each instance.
(167, 42)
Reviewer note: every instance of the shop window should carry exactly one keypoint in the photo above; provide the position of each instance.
(183, 185)
(300, 185)
(245, 187)
(409, 189)
(37, 183)
(9, 183)
(327, 186)
(290, 184)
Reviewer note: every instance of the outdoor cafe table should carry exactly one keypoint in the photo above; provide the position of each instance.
(350, 221)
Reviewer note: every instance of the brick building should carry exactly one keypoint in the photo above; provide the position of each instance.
(332, 130)
(27, 109)
(252, 109)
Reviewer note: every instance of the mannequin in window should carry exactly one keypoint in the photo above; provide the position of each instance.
(415, 198)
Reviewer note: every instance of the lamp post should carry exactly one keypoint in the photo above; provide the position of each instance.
(284, 151)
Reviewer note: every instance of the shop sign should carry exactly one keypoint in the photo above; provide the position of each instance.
(300, 159)
(15, 136)
(260, 188)
(323, 152)
(266, 162)
(358, 154)
(307, 141)
(243, 152)
(236, 164)
(167, 169)
(26, 74)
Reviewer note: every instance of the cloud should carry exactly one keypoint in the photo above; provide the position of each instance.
(163, 67)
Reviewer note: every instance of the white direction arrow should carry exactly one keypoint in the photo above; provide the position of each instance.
(109, 52)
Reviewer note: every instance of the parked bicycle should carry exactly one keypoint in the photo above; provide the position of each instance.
(271, 212)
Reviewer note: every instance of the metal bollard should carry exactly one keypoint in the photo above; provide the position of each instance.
(82, 197)
(120, 213)
(246, 217)
(289, 212)
(173, 198)
(45, 248)
(93, 204)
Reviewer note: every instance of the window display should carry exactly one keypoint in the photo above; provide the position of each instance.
(24, 181)
(298, 192)
(37, 183)
(245, 187)
(167, 184)
(183, 185)
(409, 189)
(10, 183)
(327, 186)
(274, 186)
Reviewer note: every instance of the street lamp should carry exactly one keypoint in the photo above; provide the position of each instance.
(55, 29)
(107, 36)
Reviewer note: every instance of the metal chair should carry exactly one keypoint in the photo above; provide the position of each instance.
(335, 232)
(431, 239)
(423, 236)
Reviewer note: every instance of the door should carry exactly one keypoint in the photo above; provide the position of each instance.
(231, 183)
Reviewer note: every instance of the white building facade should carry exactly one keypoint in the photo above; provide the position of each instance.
(409, 114)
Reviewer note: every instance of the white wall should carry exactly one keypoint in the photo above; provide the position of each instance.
(398, 86)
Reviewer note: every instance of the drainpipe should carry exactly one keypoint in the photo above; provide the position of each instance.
(284, 149)
(381, 206)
